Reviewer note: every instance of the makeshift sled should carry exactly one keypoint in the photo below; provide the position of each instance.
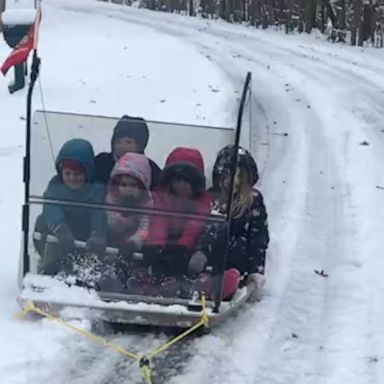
(53, 292)
(53, 295)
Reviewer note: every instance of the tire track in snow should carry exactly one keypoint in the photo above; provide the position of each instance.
(94, 363)
(361, 310)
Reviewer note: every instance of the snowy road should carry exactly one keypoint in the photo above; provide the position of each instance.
(324, 193)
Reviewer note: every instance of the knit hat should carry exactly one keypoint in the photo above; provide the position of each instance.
(73, 165)
(132, 127)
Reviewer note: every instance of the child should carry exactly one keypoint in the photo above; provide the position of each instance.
(129, 136)
(248, 235)
(72, 184)
(181, 193)
(129, 187)
(127, 229)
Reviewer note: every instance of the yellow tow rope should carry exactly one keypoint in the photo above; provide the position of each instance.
(145, 360)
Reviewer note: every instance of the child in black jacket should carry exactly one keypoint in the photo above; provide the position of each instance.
(248, 235)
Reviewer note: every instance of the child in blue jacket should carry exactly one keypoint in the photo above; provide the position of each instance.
(63, 215)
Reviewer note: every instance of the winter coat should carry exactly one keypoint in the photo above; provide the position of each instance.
(127, 225)
(81, 220)
(181, 229)
(248, 240)
(248, 235)
(105, 161)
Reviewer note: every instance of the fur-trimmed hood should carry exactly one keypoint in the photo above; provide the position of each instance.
(186, 163)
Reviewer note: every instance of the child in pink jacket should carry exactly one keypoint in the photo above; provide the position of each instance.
(128, 190)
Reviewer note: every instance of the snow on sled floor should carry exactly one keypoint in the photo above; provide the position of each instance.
(53, 295)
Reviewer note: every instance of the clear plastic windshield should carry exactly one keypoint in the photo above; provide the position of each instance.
(124, 223)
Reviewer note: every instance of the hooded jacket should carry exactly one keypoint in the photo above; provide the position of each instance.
(181, 229)
(81, 220)
(249, 237)
(132, 127)
(125, 225)
(223, 165)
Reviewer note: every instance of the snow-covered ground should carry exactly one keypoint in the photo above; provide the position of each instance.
(324, 190)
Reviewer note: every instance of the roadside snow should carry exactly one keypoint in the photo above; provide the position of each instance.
(317, 134)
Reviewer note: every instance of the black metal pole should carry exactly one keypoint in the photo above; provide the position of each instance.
(27, 162)
(234, 163)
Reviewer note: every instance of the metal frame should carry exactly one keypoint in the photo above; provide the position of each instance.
(128, 309)
(220, 281)
(27, 160)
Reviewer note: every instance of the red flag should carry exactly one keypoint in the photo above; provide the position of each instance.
(21, 51)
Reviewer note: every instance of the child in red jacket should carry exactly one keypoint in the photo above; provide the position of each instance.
(186, 203)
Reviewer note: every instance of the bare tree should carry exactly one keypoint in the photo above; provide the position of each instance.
(191, 10)
(368, 24)
(288, 14)
(363, 18)
(310, 15)
(356, 20)
(342, 14)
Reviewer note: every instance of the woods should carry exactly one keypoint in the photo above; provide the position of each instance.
(358, 22)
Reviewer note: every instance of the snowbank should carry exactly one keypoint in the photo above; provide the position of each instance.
(18, 17)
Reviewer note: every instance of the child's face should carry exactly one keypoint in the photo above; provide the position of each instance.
(181, 188)
(226, 180)
(129, 187)
(124, 145)
(73, 179)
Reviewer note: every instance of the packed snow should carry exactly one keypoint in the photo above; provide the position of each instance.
(316, 131)
(18, 17)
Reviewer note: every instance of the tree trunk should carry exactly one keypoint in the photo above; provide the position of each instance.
(310, 15)
(361, 38)
(368, 24)
(229, 9)
(288, 16)
(222, 8)
(271, 16)
(245, 4)
(355, 22)
(191, 10)
(264, 14)
(342, 24)
(257, 12)
(323, 16)
(301, 16)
